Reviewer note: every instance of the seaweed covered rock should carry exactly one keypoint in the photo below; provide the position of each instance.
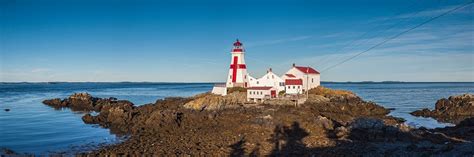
(454, 109)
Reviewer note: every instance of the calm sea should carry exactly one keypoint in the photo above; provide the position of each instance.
(31, 127)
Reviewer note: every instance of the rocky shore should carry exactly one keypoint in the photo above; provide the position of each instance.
(451, 110)
(330, 123)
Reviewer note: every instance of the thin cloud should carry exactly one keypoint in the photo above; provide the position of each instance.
(434, 12)
(278, 41)
(40, 70)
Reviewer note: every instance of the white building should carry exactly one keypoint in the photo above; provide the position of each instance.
(270, 79)
(258, 94)
(293, 86)
(310, 77)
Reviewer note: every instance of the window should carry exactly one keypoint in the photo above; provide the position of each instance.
(273, 76)
(298, 87)
(293, 87)
(257, 82)
(282, 83)
(312, 80)
(245, 76)
(230, 76)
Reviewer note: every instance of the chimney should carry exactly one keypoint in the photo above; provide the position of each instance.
(294, 64)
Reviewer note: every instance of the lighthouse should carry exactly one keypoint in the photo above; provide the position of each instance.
(238, 70)
(297, 80)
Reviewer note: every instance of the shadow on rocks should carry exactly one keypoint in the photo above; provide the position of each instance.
(362, 137)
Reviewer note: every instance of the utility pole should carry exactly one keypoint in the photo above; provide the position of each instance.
(307, 83)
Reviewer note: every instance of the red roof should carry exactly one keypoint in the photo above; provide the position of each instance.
(307, 70)
(290, 75)
(259, 88)
(237, 43)
(293, 82)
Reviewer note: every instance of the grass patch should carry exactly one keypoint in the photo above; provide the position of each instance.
(327, 92)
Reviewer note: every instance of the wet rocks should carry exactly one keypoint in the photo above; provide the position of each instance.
(56, 103)
(464, 130)
(85, 102)
(454, 109)
(9, 152)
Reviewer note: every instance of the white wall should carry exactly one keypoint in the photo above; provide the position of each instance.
(270, 80)
(219, 90)
(293, 89)
(252, 81)
(242, 75)
(258, 94)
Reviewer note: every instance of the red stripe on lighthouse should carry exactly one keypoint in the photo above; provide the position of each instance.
(234, 70)
(239, 66)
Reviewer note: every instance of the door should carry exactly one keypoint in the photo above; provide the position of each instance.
(273, 93)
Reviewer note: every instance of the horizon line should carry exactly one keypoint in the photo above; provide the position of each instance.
(13, 82)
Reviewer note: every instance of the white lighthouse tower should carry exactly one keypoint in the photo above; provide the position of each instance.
(238, 76)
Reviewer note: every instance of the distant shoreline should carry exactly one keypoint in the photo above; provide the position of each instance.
(322, 82)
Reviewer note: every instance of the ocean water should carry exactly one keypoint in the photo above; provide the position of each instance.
(31, 127)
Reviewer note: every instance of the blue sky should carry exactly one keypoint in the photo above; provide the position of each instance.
(180, 41)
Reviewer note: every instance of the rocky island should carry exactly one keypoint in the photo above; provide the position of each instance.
(329, 123)
(451, 110)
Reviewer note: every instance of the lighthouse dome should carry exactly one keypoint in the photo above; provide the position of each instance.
(237, 43)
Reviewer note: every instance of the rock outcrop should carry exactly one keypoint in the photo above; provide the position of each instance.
(85, 102)
(453, 110)
(331, 125)
(209, 101)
